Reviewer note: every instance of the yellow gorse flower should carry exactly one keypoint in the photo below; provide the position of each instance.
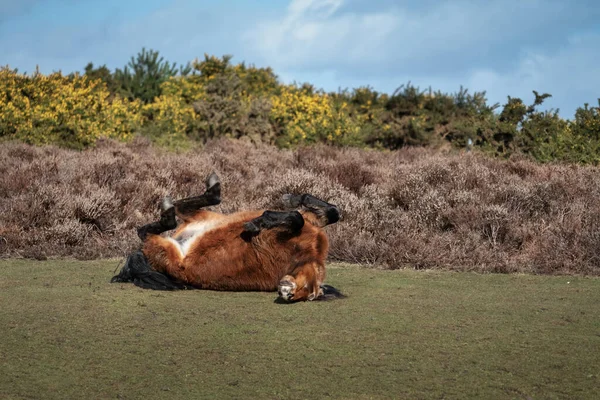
(74, 111)
(310, 117)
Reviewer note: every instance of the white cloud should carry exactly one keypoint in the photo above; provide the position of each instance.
(505, 47)
(314, 30)
(323, 33)
(298, 8)
(571, 75)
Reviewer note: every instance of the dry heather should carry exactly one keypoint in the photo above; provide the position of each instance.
(410, 208)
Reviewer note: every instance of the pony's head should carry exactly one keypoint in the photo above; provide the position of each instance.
(292, 289)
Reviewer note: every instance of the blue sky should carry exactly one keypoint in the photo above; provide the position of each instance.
(505, 47)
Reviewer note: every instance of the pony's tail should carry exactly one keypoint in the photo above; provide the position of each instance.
(330, 293)
(137, 269)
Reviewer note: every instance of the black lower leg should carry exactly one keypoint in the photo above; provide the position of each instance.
(166, 222)
(291, 221)
(327, 212)
(211, 197)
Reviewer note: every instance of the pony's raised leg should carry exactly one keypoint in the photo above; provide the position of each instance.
(187, 208)
(291, 221)
(316, 211)
(184, 209)
(166, 222)
(156, 251)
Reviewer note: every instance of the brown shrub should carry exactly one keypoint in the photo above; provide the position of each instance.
(408, 208)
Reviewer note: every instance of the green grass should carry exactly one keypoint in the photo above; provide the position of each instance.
(66, 333)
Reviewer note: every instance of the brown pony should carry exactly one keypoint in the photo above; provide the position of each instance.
(243, 251)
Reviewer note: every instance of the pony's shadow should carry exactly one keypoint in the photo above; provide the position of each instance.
(279, 300)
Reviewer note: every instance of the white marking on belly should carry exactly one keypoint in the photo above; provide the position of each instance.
(177, 245)
(193, 232)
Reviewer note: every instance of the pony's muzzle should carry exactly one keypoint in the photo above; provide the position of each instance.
(286, 290)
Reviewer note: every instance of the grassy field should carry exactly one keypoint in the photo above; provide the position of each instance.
(66, 333)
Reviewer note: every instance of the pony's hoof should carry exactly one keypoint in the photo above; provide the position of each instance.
(291, 200)
(166, 204)
(212, 181)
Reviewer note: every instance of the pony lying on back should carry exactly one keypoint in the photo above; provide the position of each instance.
(243, 251)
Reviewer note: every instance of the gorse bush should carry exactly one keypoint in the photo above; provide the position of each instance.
(178, 106)
(307, 117)
(587, 121)
(216, 99)
(545, 135)
(70, 111)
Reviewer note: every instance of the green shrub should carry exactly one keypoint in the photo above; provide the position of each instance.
(212, 97)
(143, 76)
